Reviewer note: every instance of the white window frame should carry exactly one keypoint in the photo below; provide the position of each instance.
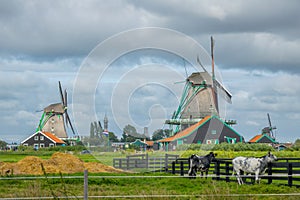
(51, 145)
(25, 144)
(42, 137)
(35, 145)
(36, 138)
(42, 145)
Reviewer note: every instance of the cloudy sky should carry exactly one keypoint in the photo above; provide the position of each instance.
(41, 42)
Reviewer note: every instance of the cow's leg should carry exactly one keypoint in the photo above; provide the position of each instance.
(257, 180)
(238, 176)
(206, 173)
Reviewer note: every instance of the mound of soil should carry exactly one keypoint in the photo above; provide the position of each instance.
(59, 162)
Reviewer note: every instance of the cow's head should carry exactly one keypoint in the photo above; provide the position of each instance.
(212, 156)
(270, 157)
(195, 159)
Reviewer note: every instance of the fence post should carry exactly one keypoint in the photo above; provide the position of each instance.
(227, 171)
(269, 173)
(166, 163)
(217, 170)
(173, 167)
(181, 169)
(147, 161)
(127, 163)
(85, 184)
(290, 173)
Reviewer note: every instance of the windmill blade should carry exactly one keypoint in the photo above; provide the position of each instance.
(270, 125)
(61, 93)
(69, 121)
(198, 60)
(66, 99)
(178, 82)
(65, 106)
(269, 119)
(223, 91)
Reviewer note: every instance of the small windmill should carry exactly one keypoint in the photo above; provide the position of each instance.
(269, 129)
(200, 97)
(55, 117)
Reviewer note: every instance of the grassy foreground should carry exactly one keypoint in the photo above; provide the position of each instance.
(147, 187)
(141, 185)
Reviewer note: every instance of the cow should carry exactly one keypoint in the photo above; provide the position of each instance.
(251, 165)
(200, 163)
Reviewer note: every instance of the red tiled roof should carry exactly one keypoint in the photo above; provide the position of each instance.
(186, 131)
(150, 143)
(255, 138)
(53, 137)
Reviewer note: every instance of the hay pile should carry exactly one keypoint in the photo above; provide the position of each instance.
(59, 162)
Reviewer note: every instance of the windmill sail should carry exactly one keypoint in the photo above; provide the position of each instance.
(200, 97)
(56, 117)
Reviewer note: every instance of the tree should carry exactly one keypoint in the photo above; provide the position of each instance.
(129, 134)
(2, 144)
(92, 130)
(113, 137)
(160, 134)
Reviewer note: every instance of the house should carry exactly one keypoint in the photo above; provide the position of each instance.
(140, 144)
(209, 130)
(42, 139)
(263, 138)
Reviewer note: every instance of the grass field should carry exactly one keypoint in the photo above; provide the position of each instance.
(164, 187)
(140, 185)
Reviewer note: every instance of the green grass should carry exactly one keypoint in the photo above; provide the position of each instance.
(142, 186)
(197, 188)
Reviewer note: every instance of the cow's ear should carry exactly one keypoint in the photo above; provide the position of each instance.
(216, 154)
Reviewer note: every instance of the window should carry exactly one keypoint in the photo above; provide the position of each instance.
(208, 141)
(25, 144)
(36, 137)
(213, 132)
(216, 141)
(41, 137)
(51, 145)
(36, 146)
(42, 145)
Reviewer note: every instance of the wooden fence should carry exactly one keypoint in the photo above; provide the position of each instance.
(285, 170)
(144, 161)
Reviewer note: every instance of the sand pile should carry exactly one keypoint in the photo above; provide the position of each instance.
(59, 162)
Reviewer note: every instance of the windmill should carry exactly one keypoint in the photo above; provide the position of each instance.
(269, 129)
(199, 97)
(55, 117)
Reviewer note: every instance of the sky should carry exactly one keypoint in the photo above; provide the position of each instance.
(127, 60)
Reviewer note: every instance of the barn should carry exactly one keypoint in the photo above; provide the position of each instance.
(42, 139)
(263, 138)
(209, 130)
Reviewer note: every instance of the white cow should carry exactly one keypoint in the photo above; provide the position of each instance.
(255, 166)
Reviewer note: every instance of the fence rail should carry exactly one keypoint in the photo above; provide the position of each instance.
(143, 161)
(286, 170)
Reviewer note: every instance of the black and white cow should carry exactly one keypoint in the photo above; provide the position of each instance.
(200, 163)
(250, 165)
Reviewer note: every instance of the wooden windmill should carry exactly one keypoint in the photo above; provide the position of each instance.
(55, 117)
(199, 98)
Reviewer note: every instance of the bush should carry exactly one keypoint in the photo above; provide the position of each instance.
(225, 147)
